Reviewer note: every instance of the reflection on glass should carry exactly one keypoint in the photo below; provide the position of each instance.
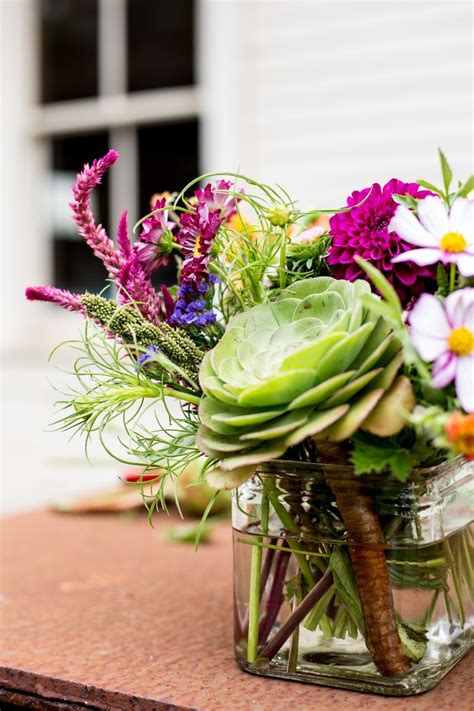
(160, 43)
(68, 38)
(74, 265)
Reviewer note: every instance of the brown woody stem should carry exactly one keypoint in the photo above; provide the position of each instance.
(366, 550)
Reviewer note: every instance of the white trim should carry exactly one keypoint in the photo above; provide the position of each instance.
(107, 112)
(112, 47)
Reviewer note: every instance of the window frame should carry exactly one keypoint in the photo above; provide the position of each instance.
(114, 109)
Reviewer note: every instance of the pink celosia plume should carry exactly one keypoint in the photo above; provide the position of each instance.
(95, 235)
(123, 239)
(135, 286)
(61, 297)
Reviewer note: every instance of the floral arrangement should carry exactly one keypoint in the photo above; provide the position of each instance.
(288, 336)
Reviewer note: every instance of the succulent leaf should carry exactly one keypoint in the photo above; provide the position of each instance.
(315, 362)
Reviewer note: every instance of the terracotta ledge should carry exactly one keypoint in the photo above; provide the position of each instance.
(101, 613)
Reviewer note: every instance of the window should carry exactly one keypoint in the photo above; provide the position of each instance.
(74, 265)
(97, 55)
(68, 49)
(160, 44)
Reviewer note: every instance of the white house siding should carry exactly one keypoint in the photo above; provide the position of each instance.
(326, 97)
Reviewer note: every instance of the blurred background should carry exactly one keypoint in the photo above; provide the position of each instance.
(323, 97)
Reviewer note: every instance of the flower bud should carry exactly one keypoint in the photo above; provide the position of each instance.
(278, 214)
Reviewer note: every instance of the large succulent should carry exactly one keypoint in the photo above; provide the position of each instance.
(314, 362)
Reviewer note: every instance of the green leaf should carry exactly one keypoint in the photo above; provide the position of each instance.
(381, 284)
(465, 189)
(443, 280)
(430, 186)
(413, 641)
(314, 617)
(375, 454)
(445, 170)
(406, 200)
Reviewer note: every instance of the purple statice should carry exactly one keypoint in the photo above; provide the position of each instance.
(61, 297)
(191, 308)
(147, 357)
(156, 238)
(95, 235)
(364, 231)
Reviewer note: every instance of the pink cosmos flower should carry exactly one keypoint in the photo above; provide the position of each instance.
(441, 236)
(444, 333)
(153, 245)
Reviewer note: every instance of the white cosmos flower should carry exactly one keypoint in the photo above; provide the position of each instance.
(441, 236)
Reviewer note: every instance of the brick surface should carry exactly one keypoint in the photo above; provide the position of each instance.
(100, 612)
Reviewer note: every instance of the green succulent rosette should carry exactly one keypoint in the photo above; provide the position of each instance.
(314, 362)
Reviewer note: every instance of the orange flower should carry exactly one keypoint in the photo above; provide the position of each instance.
(460, 431)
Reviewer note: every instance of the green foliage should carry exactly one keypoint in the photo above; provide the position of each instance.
(377, 454)
(446, 171)
(175, 345)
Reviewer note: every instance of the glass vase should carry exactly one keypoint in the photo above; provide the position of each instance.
(360, 583)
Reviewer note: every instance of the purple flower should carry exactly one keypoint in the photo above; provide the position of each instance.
(147, 357)
(441, 236)
(364, 231)
(155, 241)
(61, 297)
(216, 198)
(95, 235)
(444, 333)
(197, 234)
(190, 307)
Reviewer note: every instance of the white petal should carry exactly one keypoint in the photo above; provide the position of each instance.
(465, 263)
(456, 305)
(444, 370)
(468, 320)
(429, 347)
(422, 257)
(461, 219)
(465, 382)
(429, 317)
(433, 215)
(405, 224)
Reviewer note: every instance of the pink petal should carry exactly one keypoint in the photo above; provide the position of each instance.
(444, 370)
(405, 224)
(465, 382)
(433, 216)
(465, 264)
(422, 257)
(429, 317)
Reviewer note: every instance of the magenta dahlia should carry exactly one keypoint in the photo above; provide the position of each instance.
(363, 231)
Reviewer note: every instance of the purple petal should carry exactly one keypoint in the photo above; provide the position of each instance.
(444, 370)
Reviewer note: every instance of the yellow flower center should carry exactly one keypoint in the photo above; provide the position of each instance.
(197, 248)
(453, 242)
(461, 341)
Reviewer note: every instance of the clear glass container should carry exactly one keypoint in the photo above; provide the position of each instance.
(360, 583)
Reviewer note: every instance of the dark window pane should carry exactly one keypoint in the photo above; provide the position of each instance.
(168, 155)
(74, 264)
(160, 43)
(68, 49)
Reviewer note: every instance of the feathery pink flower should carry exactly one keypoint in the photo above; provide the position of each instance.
(123, 239)
(95, 235)
(61, 297)
(135, 286)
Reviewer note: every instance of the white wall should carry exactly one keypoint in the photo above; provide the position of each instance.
(326, 97)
